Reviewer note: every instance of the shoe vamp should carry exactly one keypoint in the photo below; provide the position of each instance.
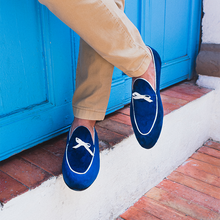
(145, 114)
(79, 159)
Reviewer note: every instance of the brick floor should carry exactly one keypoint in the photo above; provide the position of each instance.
(192, 191)
(30, 168)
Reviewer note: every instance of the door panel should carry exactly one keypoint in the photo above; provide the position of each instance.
(176, 29)
(23, 82)
(36, 82)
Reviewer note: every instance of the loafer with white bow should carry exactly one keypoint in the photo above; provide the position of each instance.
(81, 159)
(146, 109)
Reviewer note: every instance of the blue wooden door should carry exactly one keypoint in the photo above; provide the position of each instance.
(36, 75)
(38, 62)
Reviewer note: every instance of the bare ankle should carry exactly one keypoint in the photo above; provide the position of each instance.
(83, 122)
(149, 75)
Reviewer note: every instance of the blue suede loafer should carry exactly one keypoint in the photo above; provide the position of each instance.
(81, 159)
(146, 109)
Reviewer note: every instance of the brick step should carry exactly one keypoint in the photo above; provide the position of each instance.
(31, 184)
(192, 191)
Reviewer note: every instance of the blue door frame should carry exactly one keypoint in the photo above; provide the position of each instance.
(38, 62)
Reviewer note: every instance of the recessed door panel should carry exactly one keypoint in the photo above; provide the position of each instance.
(36, 76)
(23, 79)
(177, 29)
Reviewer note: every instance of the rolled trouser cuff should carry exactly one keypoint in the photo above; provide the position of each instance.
(142, 69)
(88, 114)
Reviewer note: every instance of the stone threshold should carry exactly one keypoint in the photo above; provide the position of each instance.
(208, 60)
(29, 169)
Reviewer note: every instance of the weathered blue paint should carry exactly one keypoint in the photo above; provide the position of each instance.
(39, 55)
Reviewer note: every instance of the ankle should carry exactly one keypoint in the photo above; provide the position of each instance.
(149, 75)
(83, 122)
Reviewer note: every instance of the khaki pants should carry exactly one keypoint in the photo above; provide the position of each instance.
(108, 39)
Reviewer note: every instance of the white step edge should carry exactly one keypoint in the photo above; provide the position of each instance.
(127, 171)
(213, 83)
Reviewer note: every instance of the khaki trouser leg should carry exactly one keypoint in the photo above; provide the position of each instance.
(105, 27)
(93, 82)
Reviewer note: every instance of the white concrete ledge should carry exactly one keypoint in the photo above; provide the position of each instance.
(213, 83)
(127, 171)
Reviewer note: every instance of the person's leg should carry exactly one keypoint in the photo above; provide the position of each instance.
(106, 28)
(93, 85)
